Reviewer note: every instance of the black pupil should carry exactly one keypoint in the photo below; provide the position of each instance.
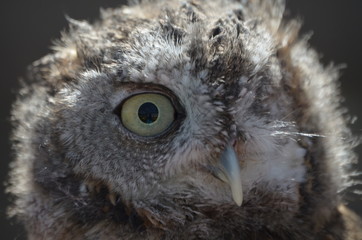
(148, 112)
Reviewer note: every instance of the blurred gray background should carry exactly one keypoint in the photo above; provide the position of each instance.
(29, 27)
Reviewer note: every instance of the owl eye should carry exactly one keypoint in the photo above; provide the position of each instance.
(147, 114)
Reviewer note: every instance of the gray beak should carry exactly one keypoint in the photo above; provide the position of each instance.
(229, 172)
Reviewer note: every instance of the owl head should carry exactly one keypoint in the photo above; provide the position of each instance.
(201, 119)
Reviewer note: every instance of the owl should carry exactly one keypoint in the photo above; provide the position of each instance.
(182, 120)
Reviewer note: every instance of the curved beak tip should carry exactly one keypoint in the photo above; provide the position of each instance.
(230, 168)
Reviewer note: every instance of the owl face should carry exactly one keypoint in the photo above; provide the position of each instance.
(169, 119)
(183, 112)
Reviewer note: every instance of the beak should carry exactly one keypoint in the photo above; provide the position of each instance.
(228, 170)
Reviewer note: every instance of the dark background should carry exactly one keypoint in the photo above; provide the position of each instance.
(29, 27)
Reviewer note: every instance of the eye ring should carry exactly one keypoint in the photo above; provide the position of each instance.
(147, 114)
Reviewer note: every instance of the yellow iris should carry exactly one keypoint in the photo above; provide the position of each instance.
(147, 114)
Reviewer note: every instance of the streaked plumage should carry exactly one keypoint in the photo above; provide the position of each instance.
(255, 146)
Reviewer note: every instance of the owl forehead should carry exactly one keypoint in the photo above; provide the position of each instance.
(214, 51)
(204, 64)
(156, 58)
